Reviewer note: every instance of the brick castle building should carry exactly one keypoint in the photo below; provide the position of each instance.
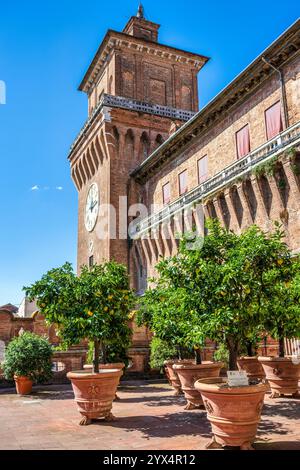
(146, 154)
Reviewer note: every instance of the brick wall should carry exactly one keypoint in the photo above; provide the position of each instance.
(219, 143)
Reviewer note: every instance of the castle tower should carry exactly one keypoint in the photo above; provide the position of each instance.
(137, 90)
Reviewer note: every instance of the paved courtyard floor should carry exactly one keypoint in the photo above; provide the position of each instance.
(148, 417)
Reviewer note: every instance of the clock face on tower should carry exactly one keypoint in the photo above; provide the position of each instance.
(91, 208)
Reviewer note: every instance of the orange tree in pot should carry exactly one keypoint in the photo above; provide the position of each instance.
(28, 361)
(281, 319)
(227, 283)
(248, 360)
(164, 308)
(94, 305)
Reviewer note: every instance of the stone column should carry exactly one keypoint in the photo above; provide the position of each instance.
(247, 216)
(293, 206)
(277, 204)
(234, 223)
(218, 209)
(206, 211)
(262, 216)
(294, 196)
(165, 238)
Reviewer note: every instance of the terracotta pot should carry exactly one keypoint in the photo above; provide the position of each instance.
(94, 393)
(171, 374)
(112, 365)
(23, 385)
(189, 373)
(282, 374)
(234, 412)
(252, 367)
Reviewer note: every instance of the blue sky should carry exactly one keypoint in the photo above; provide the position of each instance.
(45, 48)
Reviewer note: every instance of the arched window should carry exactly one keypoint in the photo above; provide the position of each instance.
(159, 140)
(129, 144)
(144, 146)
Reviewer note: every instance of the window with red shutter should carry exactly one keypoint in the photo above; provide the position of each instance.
(243, 141)
(202, 169)
(273, 120)
(183, 182)
(166, 193)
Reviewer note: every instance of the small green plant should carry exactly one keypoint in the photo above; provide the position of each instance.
(266, 169)
(282, 183)
(295, 169)
(28, 355)
(161, 351)
(222, 354)
(292, 152)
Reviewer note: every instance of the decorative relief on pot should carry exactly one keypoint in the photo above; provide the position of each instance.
(277, 371)
(93, 390)
(208, 407)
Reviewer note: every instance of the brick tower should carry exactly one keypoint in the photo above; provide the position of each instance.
(137, 89)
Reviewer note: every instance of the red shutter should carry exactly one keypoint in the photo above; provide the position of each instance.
(243, 141)
(273, 120)
(166, 193)
(202, 169)
(183, 182)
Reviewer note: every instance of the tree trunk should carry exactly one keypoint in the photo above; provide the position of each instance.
(281, 347)
(249, 349)
(198, 356)
(281, 342)
(104, 354)
(96, 356)
(233, 347)
(179, 353)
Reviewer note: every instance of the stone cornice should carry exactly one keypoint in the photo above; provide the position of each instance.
(114, 39)
(278, 53)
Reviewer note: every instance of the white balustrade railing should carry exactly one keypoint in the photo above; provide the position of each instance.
(283, 141)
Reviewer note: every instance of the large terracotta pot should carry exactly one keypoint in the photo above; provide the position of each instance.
(234, 412)
(189, 373)
(252, 367)
(23, 385)
(282, 374)
(171, 374)
(94, 393)
(111, 365)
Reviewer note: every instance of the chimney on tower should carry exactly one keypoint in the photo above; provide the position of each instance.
(139, 27)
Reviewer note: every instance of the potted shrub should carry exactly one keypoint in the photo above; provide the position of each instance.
(249, 362)
(281, 319)
(28, 360)
(165, 309)
(95, 306)
(227, 282)
(160, 352)
(160, 310)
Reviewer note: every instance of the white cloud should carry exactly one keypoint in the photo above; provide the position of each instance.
(34, 188)
(59, 188)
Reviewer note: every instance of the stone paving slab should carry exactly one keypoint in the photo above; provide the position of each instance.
(148, 416)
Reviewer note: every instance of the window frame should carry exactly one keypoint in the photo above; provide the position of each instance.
(181, 193)
(236, 141)
(198, 166)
